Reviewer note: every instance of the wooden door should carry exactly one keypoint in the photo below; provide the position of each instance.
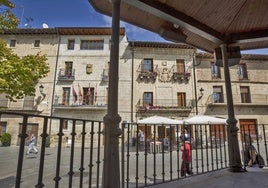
(249, 126)
(218, 132)
(31, 129)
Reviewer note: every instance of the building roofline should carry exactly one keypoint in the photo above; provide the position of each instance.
(244, 56)
(64, 31)
(158, 44)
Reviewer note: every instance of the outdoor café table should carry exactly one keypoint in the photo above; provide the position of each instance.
(155, 148)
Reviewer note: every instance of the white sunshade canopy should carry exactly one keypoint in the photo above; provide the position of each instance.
(200, 119)
(159, 120)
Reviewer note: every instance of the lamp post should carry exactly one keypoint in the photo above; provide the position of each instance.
(195, 91)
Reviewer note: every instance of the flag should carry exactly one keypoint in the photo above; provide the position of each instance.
(80, 95)
(74, 94)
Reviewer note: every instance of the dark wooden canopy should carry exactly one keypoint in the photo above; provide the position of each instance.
(204, 24)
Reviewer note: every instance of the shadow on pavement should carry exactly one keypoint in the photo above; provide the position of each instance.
(7, 182)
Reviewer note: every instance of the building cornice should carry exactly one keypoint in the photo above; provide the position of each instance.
(147, 44)
(63, 31)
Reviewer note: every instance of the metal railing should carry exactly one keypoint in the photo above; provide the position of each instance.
(153, 161)
(254, 99)
(164, 104)
(79, 163)
(80, 101)
(65, 75)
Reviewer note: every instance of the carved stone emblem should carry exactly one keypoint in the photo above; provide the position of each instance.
(165, 75)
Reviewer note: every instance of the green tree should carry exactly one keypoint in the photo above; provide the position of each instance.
(18, 75)
(7, 19)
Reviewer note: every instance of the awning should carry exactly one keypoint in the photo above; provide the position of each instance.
(200, 119)
(159, 120)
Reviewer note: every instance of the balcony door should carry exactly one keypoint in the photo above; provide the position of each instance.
(66, 96)
(148, 99)
(180, 65)
(181, 98)
(249, 126)
(68, 68)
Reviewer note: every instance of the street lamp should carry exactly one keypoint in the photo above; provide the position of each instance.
(41, 89)
(201, 91)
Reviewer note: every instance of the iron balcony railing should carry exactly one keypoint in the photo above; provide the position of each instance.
(65, 75)
(20, 104)
(80, 101)
(163, 104)
(250, 100)
(181, 76)
(74, 156)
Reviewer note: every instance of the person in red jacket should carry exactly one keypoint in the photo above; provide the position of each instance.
(186, 157)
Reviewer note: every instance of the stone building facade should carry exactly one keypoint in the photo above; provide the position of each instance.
(165, 79)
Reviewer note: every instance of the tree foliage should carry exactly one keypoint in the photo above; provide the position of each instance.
(7, 19)
(18, 75)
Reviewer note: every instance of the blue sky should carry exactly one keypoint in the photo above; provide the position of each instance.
(79, 13)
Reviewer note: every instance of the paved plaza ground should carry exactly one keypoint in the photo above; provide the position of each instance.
(255, 177)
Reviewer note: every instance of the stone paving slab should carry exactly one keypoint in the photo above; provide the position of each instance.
(253, 178)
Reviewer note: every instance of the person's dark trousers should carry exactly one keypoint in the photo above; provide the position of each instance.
(185, 168)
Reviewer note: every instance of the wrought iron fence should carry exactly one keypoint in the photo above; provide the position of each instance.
(154, 159)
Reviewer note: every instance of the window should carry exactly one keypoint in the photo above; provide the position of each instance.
(12, 43)
(245, 94)
(215, 71)
(242, 71)
(3, 127)
(65, 124)
(66, 96)
(70, 44)
(147, 65)
(180, 65)
(88, 98)
(37, 43)
(181, 98)
(147, 99)
(68, 68)
(110, 44)
(28, 103)
(92, 45)
(217, 94)
(3, 100)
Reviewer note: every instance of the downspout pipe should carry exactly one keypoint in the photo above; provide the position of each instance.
(54, 81)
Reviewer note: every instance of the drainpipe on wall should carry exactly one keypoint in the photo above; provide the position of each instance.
(132, 80)
(54, 81)
(195, 92)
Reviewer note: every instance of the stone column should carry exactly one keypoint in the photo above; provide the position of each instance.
(233, 146)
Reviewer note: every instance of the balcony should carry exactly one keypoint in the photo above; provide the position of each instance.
(148, 75)
(164, 105)
(94, 103)
(65, 75)
(27, 105)
(178, 76)
(254, 100)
